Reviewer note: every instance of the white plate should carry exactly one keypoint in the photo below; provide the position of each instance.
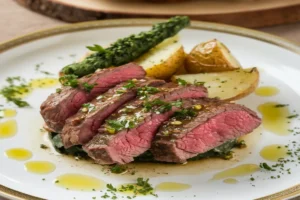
(277, 60)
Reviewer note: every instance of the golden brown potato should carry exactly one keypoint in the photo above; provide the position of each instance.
(211, 56)
(163, 60)
(231, 85)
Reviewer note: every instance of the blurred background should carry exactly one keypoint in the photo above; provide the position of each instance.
(279, 17)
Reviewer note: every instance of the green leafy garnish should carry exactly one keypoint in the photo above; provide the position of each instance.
(88, 107)
(16, 87)
(181, 81)
(113, 126)
(69, 80)
(96, 48)
(88, 87)
(58, 90)
(266, 166)
(184, 113)
(118, 169)
(111, 188)
(199, 83)
(292, 116)
(130, 84)
(144, 91)
(161, 106)
(42, 146)
(281, 105)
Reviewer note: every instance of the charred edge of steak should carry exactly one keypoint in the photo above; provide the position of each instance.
(81, 127)
(123, 145)
(59, 106)
(213, 125)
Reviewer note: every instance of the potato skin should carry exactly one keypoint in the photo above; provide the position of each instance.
(167, 68)
(209, 57)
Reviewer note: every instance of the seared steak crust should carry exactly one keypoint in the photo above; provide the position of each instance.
(121, 147)
(81, 127)
(59, 106)
(216, 123)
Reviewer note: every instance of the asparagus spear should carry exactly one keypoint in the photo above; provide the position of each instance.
(127, 49)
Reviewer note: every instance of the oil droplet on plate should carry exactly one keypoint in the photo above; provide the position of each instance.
(79, 182)
(44, 83)
(273, 152)
(241, 170)
(266, 91)
(18, 154)
(8, 129)
(39, 167)
(274, 117)
(9, 113)
(172, 187)
(231, 181)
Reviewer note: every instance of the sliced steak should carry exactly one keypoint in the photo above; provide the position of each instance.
(212, 124)
(59, 106)
(129, 132)
(81, 127)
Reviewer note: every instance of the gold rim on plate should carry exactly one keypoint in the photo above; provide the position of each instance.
(234, 30)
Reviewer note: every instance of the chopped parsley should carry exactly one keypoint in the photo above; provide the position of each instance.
(266, 167)
(240, 144)
(37, 68)
(69, 80)
(58, 90)
(111, 188)
(199, 83)
(145, 186)
(88, 87)
(142, 186)
(16, 87)
(88, 107)
(146, 90)
(162, 106)
(42, 146)
(130, 84)
(184, 113)
(292, 116)
(281, 105)
(118, 169)
(113, 126)
(181, 81)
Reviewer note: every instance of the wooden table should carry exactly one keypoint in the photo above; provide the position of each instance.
(15, 21)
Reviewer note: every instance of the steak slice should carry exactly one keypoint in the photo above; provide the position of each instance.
(128, 134)
(81, 127)
(59, 106)
(215, 123)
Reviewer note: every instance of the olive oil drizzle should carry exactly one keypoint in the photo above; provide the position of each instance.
(241, 170)
(275, 118)
(230, 181)
(39, 167)
(19, 154)
(79, 182)
(7, 113)
(172, 187)
(266, 91)
(274, 152)
(8, 129)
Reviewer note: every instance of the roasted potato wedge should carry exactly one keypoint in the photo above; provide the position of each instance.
(210, 56)
(163, 60)
(181, 70)
(231, 85)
